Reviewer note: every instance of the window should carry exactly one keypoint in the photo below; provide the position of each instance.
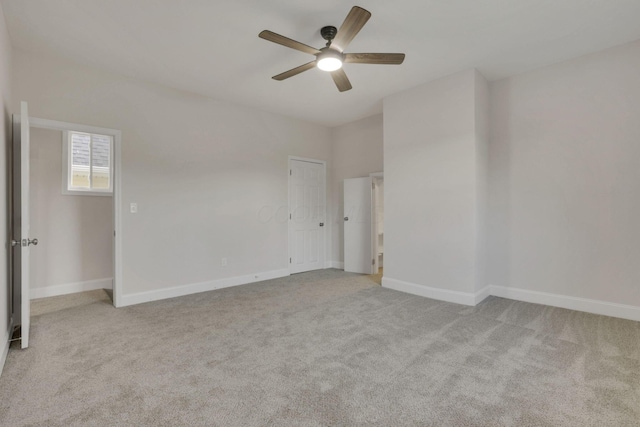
(87, 164)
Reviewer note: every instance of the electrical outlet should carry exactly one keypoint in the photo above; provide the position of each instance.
(223, 262)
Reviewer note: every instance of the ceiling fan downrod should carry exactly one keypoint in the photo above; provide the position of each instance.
(328, 33)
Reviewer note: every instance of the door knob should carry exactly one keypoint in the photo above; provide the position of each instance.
(322, 224)
(24, 242)
(346, 218)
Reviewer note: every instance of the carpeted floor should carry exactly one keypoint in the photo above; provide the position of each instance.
(322, 349)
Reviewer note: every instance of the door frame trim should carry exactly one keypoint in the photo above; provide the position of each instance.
(324, 184)
(376, 176)
(117, 193)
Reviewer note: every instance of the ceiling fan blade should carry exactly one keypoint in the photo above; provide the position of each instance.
(341, 80)
(295, 71)
(374, 58)
(287, 42)
(351, 26)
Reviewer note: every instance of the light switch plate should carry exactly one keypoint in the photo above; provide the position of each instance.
(133, 208)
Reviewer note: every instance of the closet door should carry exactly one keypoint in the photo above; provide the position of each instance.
(306, 216)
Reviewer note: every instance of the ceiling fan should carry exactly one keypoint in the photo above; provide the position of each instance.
(331, 57)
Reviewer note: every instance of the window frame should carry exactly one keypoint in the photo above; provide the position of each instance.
(67, 170)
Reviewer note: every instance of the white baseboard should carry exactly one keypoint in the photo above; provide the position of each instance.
(71, 288)
(336, 264)
(194, 288)
(572, 303)
(482, 294)
(5, 346)
(465, 298)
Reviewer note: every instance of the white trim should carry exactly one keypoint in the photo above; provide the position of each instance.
(71, 288)
(554, 300)
(117, 220)
(335, 264)
(35, 122)
(482, 294)
(194, 288)
(465, 298)
(572, 303)
(377, 175)
(6, 345)
(117, 193)
(326, 242)
(308, 160)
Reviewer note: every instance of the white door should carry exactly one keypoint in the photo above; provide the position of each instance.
(358, 253)
(306, 215)
(21, 241)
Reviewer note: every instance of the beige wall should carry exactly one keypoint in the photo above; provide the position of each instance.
(565, 176)
(433, 173)
(5, 137)
(563, 173)
(357, 152)
(201, 171)
(74, 232)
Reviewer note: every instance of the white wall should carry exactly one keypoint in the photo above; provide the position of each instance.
(357, 152)
(75, 233)
(205, 174)
(432, 189)
(565, 176)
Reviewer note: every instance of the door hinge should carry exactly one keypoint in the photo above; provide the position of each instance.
(290, 172)
(289, 260)
(373, 186)
(373, 262)
(289, 216)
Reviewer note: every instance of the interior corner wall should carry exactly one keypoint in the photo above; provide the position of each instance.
(565, 179)
(482, 128)
(210, 178)
(5, 137)
(356, 152)
(75, 232)
(431, 189)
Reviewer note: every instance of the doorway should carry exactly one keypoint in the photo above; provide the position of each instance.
(307, 212)
(378, 221)
(364, 224)
(71, 201)
(22, 240)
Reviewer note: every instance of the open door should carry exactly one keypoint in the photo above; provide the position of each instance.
(21, 241)
(358, 256)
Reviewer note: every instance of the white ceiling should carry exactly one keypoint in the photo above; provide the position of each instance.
(212, 47)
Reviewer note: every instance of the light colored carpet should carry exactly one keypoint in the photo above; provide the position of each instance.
(52, 304)
(319, 349)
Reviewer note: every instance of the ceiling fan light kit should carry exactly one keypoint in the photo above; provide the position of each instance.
(329, 60)
(331, 57)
